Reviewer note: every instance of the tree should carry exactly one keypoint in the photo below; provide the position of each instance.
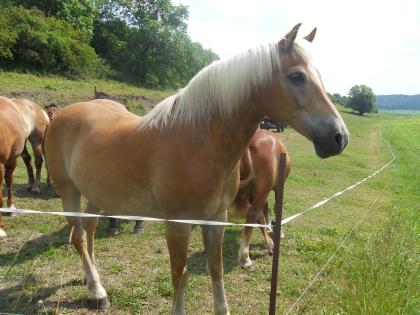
(362, 99)
(79, 13)
(31, 41)
(336, 98)
(146, 42)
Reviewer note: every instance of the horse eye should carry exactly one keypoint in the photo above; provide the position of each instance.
(297, 78)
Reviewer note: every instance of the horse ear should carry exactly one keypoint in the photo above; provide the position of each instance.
(46, 105)
(287, 42)
(310, 37)
(291, 36)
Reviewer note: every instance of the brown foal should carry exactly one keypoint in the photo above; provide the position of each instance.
(259, 176)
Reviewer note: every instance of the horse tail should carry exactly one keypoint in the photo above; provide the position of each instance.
(246, 169)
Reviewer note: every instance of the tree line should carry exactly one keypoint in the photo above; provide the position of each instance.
(399, 102)
(360, 98)
(139, 41)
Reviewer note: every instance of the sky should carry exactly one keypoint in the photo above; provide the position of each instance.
(371, 42)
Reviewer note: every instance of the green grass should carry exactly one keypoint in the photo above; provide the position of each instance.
(54, 89)
(375, 272)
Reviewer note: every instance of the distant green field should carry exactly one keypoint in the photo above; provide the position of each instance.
(400, 112)
(375, 272)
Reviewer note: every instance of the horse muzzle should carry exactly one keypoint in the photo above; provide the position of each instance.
(332, 142)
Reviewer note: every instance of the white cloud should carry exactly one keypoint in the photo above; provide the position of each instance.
(358, 42)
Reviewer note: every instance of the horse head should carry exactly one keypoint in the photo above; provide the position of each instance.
(51, 110)
(305, 104)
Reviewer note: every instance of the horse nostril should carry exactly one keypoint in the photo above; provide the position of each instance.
(338, 139)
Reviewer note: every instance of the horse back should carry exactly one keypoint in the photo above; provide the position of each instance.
(12, 136)
(35, 119)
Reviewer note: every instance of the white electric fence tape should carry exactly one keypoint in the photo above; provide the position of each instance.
(199, 222)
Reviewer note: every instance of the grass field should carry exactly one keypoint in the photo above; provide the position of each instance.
(375, 272)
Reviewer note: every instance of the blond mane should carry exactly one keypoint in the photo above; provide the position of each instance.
(219, 88)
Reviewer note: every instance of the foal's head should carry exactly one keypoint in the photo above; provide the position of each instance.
(306, 106)
(51, 110)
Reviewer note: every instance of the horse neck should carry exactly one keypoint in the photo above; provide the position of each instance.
(229, 139)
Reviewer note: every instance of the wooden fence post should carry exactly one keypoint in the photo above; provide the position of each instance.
(277, 232)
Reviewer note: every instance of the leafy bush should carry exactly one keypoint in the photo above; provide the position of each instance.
(31, 41)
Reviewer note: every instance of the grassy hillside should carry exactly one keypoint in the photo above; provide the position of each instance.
(375, 272)
(54, 89)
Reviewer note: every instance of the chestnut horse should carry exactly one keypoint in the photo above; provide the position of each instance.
(37, 121)
(20, 120)
(259, 176)
(181, 160)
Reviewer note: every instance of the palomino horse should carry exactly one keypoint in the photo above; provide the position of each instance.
(259, 176)
(20, 120)
(181, 160)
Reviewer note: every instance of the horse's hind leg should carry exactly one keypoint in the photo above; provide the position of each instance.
(267, 217)
(213, 241)
(268, 240)
(27, 159)
(90, 227)
(2, 232)
(138, 227)
(258, 202)
(178, 239)
(112, 227)
(37, 148)
(79, 238)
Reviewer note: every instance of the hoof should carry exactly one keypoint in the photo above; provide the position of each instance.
(36, 190)
(10, 214)
(113, 231)
(270, 251)
(246, 264)
(138, 231)
(98, 304)
(2, 234)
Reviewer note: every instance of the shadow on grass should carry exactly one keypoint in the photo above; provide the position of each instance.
(43, 244)
(197, 262)
(19, 190)
(365, 115)
(24, 297)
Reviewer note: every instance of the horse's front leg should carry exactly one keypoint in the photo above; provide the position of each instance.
(178, 239)
(213, 242)
(2, 232)
(9, 169)
(83, 242)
